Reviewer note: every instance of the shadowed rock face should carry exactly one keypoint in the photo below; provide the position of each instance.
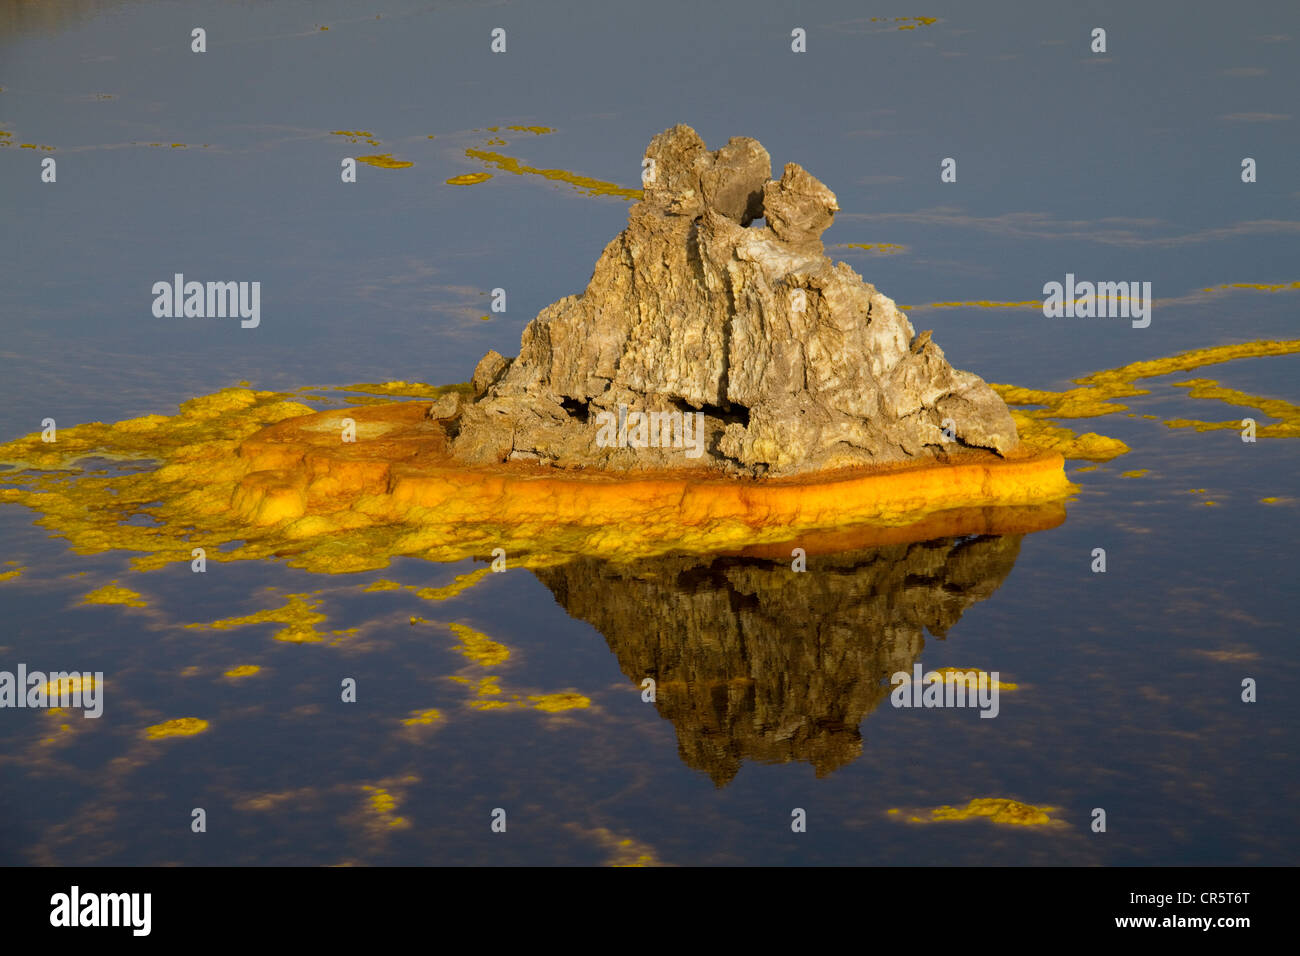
(754, 661)
(795, 364)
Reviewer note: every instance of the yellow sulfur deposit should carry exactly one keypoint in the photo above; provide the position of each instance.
(115, 594)
(478, 647)
(180, 727)
(381, 807)
(66, 686)
(398, 469)
(557, 703)
(958, 675)
(1095, 394)
(299, 616)
(1288, 415)
(589, 186)
(384, 161)
(462, 583)
(996, 809)
(254, 475)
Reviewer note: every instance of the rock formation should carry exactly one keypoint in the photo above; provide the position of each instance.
(754, 662)
(785, 362)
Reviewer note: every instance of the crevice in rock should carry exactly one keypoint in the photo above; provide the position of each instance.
(728, 414)
(577, 409)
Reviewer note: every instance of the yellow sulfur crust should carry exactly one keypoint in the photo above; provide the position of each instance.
(251, 475)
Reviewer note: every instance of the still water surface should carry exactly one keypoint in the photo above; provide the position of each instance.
(773, 686)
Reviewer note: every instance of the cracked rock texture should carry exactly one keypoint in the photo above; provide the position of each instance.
(718, 298)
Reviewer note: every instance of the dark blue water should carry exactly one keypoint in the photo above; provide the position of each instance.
(1123, 166)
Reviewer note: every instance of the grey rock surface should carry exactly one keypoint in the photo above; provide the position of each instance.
(789, 363)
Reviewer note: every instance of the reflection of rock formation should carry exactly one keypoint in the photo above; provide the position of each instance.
(753, 660)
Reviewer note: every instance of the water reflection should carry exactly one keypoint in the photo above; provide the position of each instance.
(753, 660)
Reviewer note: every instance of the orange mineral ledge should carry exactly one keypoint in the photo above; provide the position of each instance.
(397, 471)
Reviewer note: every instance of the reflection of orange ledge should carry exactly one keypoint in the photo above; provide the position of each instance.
(956, 523)
(397, 470)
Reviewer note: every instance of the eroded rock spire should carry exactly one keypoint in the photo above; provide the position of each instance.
(696, 315)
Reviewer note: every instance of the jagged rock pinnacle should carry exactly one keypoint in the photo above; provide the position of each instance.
(793, 364)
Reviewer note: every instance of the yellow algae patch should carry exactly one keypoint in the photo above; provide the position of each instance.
(381, 806)
(1096, 392)
(114, 594)
(64, 687)
(559, 702)
(1256, 286)
(243, 670)
(1269, 501)
(353, 133)
(535, 130)
(1288, 414)
(11, 574)
(488, 696)
(592, 187)
(463, 582)
(628, 852)
(469, 179)
(489, 704)
(299, 616)
(384, 161)
(383, 585)
(1038, 304)
(960, 675)
(1115, 379)
(61, 734)
(622, 850)
(995, 809)
(180, 727)
(207, 427)
(420, 718)
(1138, 473)
(478, 647)
(1088, 446)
